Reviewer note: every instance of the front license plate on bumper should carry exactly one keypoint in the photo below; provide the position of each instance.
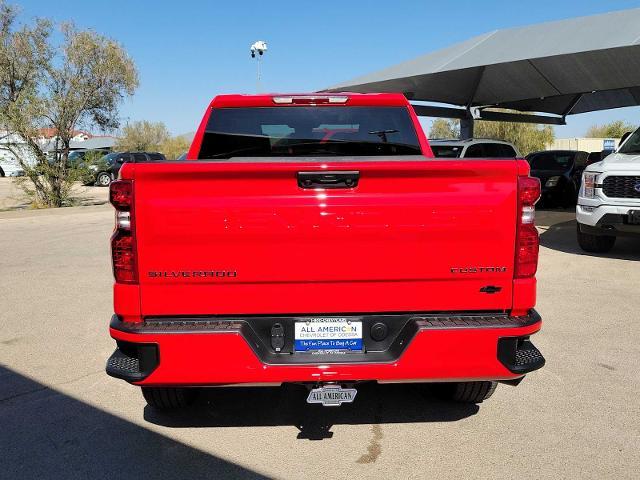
(328, 334)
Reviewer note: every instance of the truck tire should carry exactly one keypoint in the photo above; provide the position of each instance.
(162, 398)
(466, 392)
(595, 243)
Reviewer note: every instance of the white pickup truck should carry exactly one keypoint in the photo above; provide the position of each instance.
(609, 198)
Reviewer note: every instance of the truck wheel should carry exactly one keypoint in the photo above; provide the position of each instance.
(466, 392)
(595, 243)
(163, 398)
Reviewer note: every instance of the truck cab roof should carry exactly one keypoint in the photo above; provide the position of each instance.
(314, 98)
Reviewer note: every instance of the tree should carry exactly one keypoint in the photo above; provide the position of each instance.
(609, 130)
(143, 136)
(175, 146)
(78, 82)
(527, 137)
(444, 128)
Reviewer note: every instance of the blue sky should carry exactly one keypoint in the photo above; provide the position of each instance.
(189, 51)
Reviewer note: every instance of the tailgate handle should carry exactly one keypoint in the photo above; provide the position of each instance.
(328, 179)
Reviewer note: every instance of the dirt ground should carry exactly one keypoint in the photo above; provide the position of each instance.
(12, 198)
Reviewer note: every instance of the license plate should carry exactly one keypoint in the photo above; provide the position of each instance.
(328, 334)
(634, 217)
(332, 395)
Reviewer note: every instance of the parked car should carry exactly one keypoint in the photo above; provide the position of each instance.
(594, 157)
(318, 244)
(76, 157)
(609, 200)
(560, 173)
(80, 160)
(473, 148)
(107, 168)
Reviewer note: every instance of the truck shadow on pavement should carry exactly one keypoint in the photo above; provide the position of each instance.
(562, 237)
(47, 434)
(286, 405)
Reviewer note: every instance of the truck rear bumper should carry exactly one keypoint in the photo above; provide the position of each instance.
(429, 348)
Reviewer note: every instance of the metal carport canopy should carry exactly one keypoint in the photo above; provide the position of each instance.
(564, 67)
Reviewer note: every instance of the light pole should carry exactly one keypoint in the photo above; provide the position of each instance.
(258, 49)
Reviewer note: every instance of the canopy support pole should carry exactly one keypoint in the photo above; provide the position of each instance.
(466, 127)
(467, 123)
(571, 106)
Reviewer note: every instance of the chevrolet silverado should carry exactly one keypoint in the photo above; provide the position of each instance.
(314, 239)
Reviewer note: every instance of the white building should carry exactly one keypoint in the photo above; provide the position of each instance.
(9, 165)
(584, 144)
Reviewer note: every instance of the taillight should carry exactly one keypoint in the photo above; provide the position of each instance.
(527, 241)
(123, 240)
(123, 254)
(121, 194)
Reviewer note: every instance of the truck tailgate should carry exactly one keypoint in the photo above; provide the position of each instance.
(242, 237)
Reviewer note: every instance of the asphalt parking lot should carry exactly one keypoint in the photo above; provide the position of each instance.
(61, 416)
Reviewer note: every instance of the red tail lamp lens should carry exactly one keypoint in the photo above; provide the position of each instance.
(123, 255)
(527, 251)
(528, 190)
(527, 240)
(121, 194)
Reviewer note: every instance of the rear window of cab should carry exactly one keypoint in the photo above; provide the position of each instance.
(309, 131)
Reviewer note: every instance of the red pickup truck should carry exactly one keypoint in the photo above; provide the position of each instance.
(314, 239)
